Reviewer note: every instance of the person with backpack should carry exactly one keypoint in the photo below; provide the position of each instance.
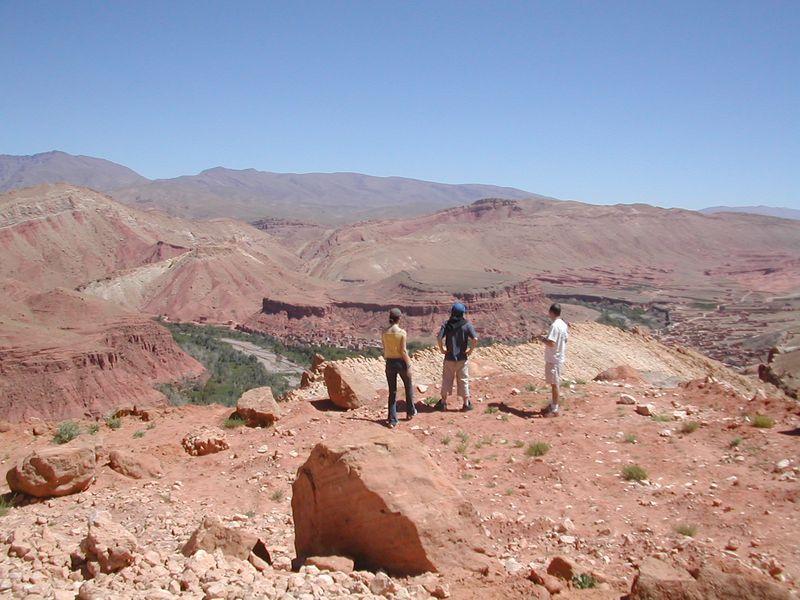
(395, 352)
(457, 339)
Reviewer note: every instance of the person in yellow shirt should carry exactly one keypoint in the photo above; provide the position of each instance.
(397, 363)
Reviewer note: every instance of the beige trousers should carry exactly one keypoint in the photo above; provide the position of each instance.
(457, 370)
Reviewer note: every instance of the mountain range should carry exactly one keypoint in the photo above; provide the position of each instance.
(249, 194)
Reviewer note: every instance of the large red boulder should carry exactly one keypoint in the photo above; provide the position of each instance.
(258, 407)
(346, 388)
(379, 499)
(56, 471)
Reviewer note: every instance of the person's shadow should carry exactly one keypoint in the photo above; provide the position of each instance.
(517, 412)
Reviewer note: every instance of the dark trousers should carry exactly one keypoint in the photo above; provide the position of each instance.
(395, 367)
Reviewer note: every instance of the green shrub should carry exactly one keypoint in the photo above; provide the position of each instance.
(94, 428)
(690, 427)
(662, 418)
(277, 495)
(630, 438)
(763, 421)
(113, 422)
(537, 449)
(233, 422)
(687, 530)
(67, 431)
(446, 440)
(490, 410)
(736, 442)
(139, 433)
(584, 581)
(633, 473)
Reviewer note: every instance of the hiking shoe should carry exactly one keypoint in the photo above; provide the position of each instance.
(552, 410)
(467, 407)
(440, 405)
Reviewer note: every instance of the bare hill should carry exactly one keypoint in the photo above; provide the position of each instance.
(59, 167)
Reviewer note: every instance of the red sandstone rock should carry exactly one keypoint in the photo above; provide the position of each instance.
(212, 535)
(381, 500)
(54, 471)
(345, 388)
(258, 407)
(316, 362)
(331, 563)
(656, 580)
(108, 547)
(135, 466)
(204, 440)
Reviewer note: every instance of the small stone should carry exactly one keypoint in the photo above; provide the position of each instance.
(626, 399)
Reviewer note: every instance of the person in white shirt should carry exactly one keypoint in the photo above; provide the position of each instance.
(555, 353)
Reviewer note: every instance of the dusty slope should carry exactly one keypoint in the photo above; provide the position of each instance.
(542, 237)
(572, 501)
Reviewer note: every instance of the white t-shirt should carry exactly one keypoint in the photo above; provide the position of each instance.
(558, 333)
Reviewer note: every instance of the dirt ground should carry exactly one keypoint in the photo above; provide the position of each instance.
(723, 482)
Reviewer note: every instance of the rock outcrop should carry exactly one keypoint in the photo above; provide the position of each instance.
(346, 389)
(205, 440)
(258, 407)
(58, 471)
(380, 500)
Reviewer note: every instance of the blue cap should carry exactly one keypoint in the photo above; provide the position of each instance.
(459, 308)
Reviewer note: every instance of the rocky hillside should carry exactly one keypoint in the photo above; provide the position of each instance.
(641, 489)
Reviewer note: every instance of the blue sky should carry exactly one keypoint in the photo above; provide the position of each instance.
(673, 103)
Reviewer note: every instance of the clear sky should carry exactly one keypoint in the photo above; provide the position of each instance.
(673, 103)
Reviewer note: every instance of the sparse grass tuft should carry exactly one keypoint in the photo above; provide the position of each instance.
(690, 427)
(490, 410)
(630, 438)
(463, 436)
(114, 422)
(518, 444)
(662, 418)
(530, 387)
(686, 529)
(93, 428)
(67, 431)
(736, 442)
(633, 473)
(5, 506)
(150, 426)
(233, 422)
(139, 433)
(462, 448)
(509, 491)
(446, 440)
(277, 495)
(431, 401)
(763, 421)
(584, 581)
(537, 449)
(250, 514)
